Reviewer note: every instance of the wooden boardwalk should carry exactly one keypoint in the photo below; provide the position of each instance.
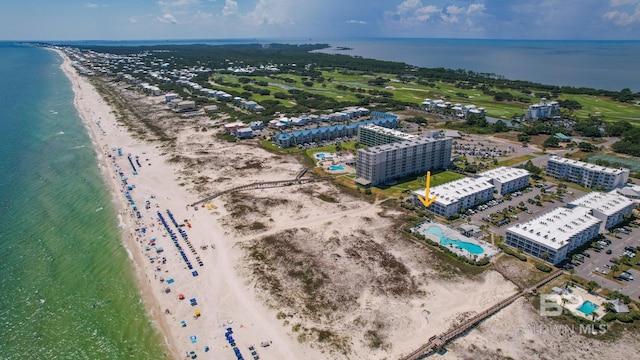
(436, 343)
(264, 185)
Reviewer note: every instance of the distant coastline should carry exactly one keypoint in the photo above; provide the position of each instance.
(596, 64)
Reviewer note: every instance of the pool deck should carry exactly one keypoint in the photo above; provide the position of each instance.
(489, 250)
(575, 296)
(332, 159)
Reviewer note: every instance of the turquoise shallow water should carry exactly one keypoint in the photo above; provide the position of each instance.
(67, 285)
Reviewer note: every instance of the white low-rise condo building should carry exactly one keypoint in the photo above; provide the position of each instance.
(374, 135)
(555, 233)
(608, 207)
(507, 179)
(384, 163)
(585, 174)
(457, 195)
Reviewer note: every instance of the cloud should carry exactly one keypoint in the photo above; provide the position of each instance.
(270, 12)
(230, 8)
(177, 3)
(408, 5)
(356, 22)
(624, 17)
(91, 5)
(167, 18)
(616, 3)
(424, 13)
(415, 12)
(199, 15)
(134, 20)
(476, 9)
(451, 14)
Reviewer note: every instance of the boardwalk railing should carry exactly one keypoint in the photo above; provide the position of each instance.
(436, 343)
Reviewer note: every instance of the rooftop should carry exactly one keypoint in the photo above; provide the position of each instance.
(402, 144)
(605, 203)
(453, 191)
(555, 228)
(386, 131)
(504, 174)
(587, 166)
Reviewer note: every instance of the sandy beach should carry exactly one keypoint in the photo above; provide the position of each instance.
(307, 270)
(223, 298)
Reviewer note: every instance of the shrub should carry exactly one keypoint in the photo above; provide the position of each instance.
(542, 267)
(510, 251)
(609, 317)
(625, 318)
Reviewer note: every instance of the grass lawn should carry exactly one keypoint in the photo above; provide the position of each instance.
(267, 144)
(350, 145)
(599, 105)
(415, 93)
(415, 183)
(515, 160)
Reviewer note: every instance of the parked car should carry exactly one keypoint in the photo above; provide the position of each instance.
(608, 252)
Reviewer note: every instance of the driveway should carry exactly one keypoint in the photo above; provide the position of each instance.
(600, 259)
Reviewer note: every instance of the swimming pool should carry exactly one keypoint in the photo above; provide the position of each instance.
(446, 241)
(587, 308)
(336, 167)
(320, 155)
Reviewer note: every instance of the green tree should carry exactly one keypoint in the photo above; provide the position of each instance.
(618, 128)
(592, 285)
(545, 256)
(614, 269)
(500, 126)
(625, 259)
(530, 167)
(608, 306)
(587, 147)
(524, 138)
(552, 141)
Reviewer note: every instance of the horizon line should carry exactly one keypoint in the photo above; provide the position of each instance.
(298, 39)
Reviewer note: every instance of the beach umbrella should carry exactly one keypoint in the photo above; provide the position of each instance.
(181, 296)
(197, 313)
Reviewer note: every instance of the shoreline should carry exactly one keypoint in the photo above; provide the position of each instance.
(224, 298)
(81, 89)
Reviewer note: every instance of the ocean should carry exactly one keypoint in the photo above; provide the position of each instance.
(67, 285)
(597, 64)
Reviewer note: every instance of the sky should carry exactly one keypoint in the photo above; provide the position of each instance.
(319, 19)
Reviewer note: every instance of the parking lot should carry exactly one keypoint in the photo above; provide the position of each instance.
(595, 260)
(602, 261)
(533, 210)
